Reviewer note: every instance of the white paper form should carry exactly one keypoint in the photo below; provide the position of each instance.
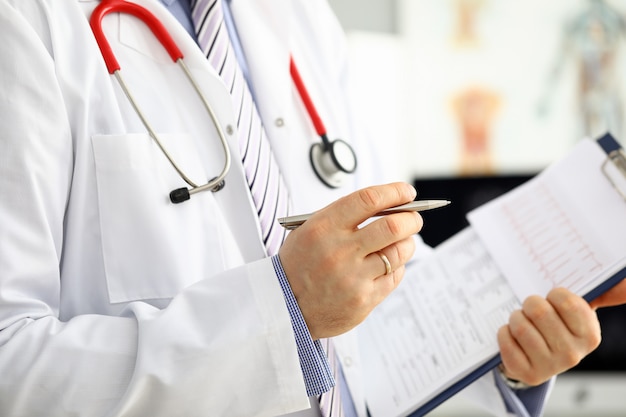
(559, 229)
(443, 317)
(566, 227)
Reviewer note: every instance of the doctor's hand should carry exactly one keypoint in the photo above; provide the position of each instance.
(333, 266)
(548, 336)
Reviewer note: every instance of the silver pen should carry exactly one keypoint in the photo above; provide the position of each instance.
(292, 222)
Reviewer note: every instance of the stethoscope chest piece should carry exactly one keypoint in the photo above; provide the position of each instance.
(332, 161)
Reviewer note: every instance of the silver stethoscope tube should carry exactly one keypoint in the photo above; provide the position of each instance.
(107, 6)
(216, 183)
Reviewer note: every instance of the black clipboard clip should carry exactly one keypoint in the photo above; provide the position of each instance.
(614, 166)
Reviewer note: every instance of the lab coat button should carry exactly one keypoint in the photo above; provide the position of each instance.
(229, 129)
(280, 122)
(347, 361)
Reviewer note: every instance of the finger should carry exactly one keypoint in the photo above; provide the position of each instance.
(526, 332)
(613, 297)
(352, 210)
(397, 254)
(388, 230)
(385, 284)
(386, 263)
(548, 328)
(579, 318)
(513, 356)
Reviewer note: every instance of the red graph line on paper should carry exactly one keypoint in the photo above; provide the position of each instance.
(552, 242)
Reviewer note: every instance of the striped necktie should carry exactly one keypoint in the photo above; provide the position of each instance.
(266, 184)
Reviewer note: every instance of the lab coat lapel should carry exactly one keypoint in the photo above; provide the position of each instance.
(234, 198)
(264, 32)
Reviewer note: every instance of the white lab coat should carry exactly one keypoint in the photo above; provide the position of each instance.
(114, 301)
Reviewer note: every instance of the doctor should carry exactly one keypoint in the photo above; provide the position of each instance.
(116, 302)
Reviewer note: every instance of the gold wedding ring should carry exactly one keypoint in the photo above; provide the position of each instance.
(385, 260)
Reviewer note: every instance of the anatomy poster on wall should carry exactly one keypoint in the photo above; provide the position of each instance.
(503, 86)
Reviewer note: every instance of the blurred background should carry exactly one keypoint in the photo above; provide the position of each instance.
(481, 95)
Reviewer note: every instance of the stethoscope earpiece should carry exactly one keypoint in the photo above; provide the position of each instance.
(179, 195)
(182, 194)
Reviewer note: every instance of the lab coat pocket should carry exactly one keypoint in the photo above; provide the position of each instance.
(152, 248)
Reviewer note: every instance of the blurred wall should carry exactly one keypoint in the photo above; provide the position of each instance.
(369, 15)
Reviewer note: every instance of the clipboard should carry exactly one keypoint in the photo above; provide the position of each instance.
(614, 171)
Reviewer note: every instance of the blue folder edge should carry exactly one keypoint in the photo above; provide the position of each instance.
(608, 144)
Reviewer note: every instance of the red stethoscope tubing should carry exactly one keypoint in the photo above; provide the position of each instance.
(139, 12)
(306, 99)
(327, 158)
